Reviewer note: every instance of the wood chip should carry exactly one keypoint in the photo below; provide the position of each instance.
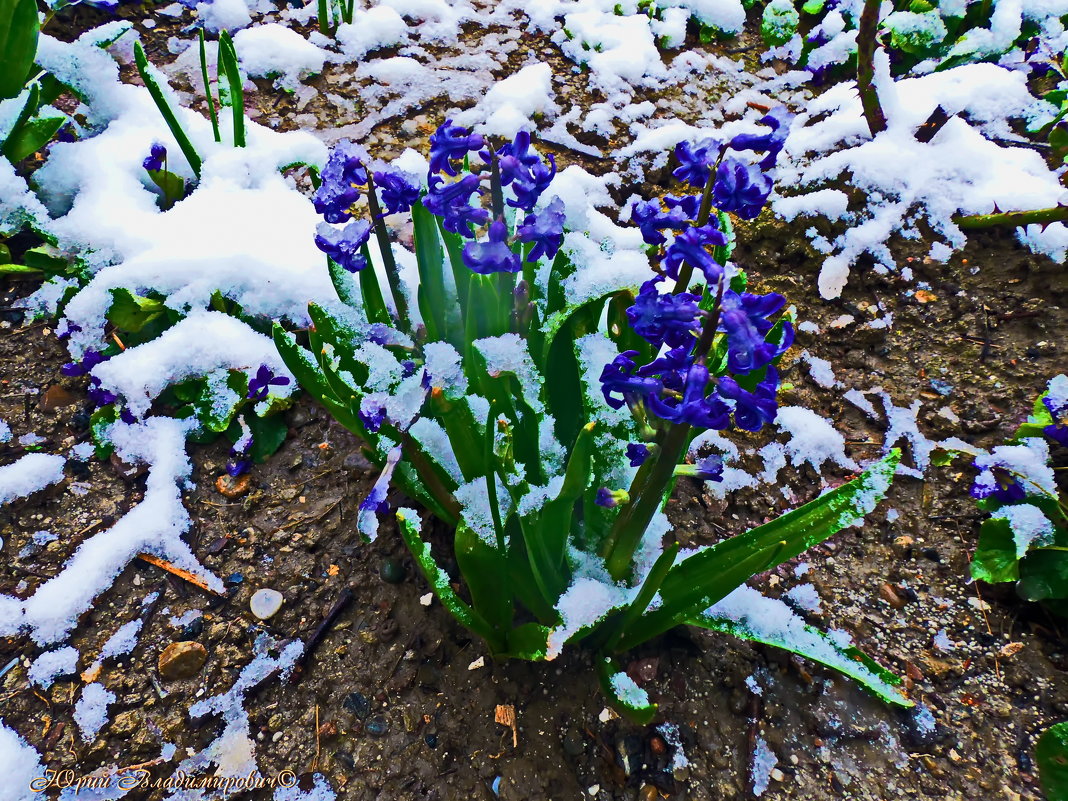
(505, 715)
(163, 564)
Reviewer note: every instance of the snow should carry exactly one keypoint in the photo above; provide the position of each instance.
(1029, 526)
(805, 597)
(961, 170)
(764, 760)
(50, 664)
(820, 370)
(91, 710)
(513, 103)
(372, 28)
(273, 50)
(29, 474)
(20, 764)
(813, 439)
(628, 692)
(155, 525)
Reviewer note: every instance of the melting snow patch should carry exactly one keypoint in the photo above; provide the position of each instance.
(91, 710)
(764, 761)
(1029, 526)
(30, 474)
(51, 664)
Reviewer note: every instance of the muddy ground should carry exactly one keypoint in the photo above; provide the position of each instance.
(390, 707)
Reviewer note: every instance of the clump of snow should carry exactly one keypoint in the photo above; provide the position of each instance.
(805, 597)
(51, 664)
(20, 763)
(628, 692)
(512, 103)
(1029, 526)
(813, 439)
(961, 170)
(223, 15)
(275, 51)
(820, 370)
(764, 761)
(372, 28)
(30, 474)
(91, 710)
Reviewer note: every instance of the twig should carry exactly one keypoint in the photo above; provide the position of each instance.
(320, 631)
(163, 564)
(869, 95)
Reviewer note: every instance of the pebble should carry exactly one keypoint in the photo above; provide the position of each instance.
(392, 571)
(182, 660)
(431, 740)
(376, 726)
(265, 603)
(358, 705)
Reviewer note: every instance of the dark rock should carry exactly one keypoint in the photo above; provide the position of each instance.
(358, 705)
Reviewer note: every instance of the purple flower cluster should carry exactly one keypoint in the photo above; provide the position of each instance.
(450, 142)
(1058, 410)
(157, 154)
(740, 188)
(342, 178)
(524, 170)
(398, 191)
(344, 246)
(494, 255)
(677, 387)
(452, 202)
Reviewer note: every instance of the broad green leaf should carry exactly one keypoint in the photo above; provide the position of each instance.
(1044, 576)
(529, 641)
(485, 574)
(46, 259)
(30, 137)
(155, 89)
(696, 583)
(172, 186)
(779, 22)
(268, 434)
(995, 555)
(130, 312)
(1051, 754)
(434, 303)
(19, 28)
(345, 284)
(99, 422)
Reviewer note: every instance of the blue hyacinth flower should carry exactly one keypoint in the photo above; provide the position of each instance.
(493, 255)
(345, 245)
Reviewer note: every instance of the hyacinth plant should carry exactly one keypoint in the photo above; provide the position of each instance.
(1025, 538)
(546, 433)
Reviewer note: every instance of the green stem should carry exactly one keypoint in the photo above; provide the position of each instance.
(703, 213)
(869, 95)
(1012, 218)
(207, 88)
(386, 249)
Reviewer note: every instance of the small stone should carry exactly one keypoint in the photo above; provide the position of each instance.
(56, 397)
(233, 487)
(431, 740)
(376, 726)
(648, 793)
(890, 595)
(358, 705)
(392, 571)
(777, 775)
(265, 603)
(182, 660)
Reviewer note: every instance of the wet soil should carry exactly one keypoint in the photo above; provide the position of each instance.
(989, 326)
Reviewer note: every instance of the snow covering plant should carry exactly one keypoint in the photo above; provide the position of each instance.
(541, 406)
(1025, 539)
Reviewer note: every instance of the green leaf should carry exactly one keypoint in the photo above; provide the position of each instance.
(19, 28)
(99, 422)
(485, 573)
(779, 22)
(46, 259)
(434, 302)
(131, 312)
(236, 95)
(268, 434)
(172, 186)
(207, 86)
(811, 643)
(1044, 575)
(438, 578)
(155, 89)
(30, 137)
(995, 555)
(529, 641)
(813, 6)
(345, 284)
(1058, 142)
(1051, 755)
(632, 709)
(693, 585)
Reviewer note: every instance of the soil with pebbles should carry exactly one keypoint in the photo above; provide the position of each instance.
(393, 703)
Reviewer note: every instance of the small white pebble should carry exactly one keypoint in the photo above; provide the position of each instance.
(480, 662)
(426, 599)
